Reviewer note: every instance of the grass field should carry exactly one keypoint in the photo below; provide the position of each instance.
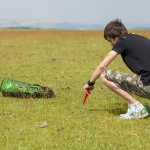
(64, 61)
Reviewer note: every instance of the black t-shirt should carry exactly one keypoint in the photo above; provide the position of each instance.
(135, 52)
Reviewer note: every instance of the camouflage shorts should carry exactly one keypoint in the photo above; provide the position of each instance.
(130, 83)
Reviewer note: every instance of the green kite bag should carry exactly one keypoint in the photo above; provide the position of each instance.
(20, 89)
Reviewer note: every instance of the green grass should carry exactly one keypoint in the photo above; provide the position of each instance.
(64, 61)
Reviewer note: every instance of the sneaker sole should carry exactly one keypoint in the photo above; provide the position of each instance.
(140, 117)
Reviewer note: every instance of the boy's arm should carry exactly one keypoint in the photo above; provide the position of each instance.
(101, 67)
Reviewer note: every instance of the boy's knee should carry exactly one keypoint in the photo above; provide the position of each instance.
(103, 77)
(107, 75)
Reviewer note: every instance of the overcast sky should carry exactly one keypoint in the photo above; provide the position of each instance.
(134, 12)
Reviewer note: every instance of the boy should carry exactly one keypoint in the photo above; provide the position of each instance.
(135, 52)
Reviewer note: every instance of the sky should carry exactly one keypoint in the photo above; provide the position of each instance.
(133, 12)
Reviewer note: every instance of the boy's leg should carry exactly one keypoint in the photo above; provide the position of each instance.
(117, 89)
(135, 109)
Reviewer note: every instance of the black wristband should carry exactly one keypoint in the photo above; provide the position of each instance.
(90, 83)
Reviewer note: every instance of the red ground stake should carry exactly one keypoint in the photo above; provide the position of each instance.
(86, 95)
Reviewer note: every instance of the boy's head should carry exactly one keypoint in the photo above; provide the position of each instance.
(114, 29)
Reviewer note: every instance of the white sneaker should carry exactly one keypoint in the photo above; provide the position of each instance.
(135, 111)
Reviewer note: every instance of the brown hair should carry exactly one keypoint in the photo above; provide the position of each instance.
(114, 29)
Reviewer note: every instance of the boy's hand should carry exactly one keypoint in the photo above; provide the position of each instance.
(87, 87)
(87, 90)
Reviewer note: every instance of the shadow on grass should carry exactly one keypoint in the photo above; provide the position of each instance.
(148, 107)
(95, 110)
(118, 111)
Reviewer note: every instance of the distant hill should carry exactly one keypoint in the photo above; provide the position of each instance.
(26, 24)
(34, 24)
